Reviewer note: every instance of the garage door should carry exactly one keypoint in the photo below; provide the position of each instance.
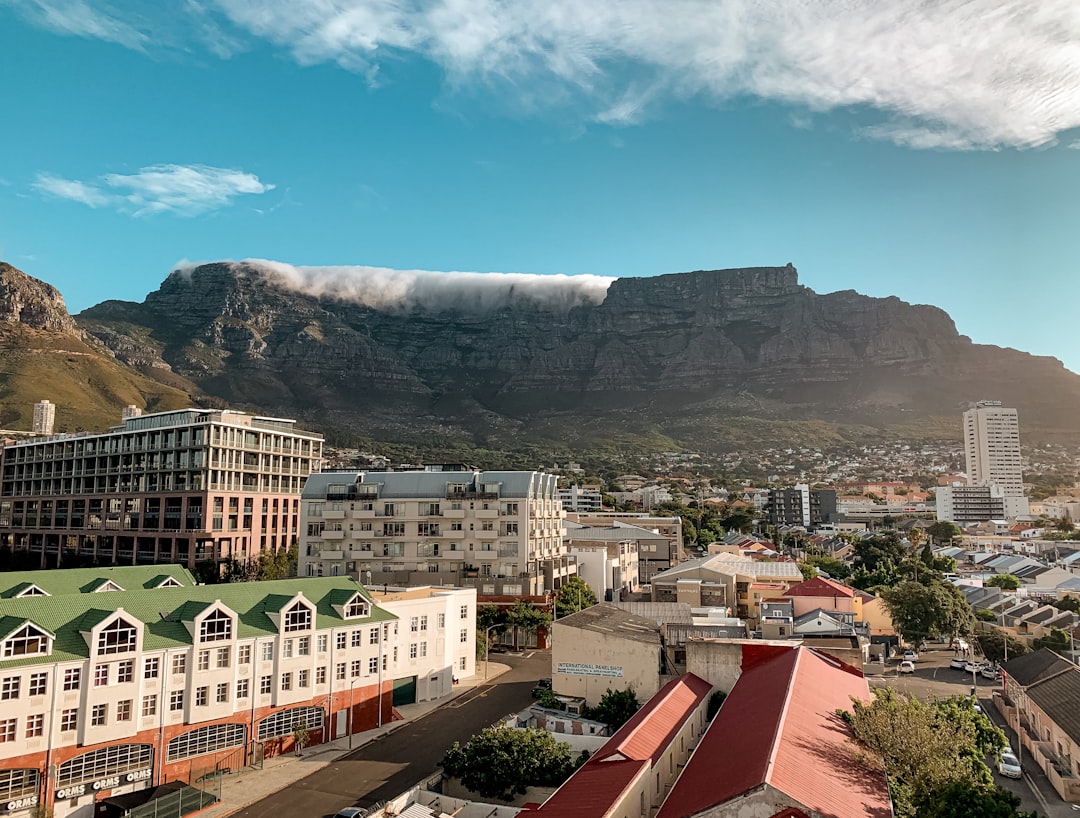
(405, 691)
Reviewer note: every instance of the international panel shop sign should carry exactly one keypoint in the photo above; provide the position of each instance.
(578, 669)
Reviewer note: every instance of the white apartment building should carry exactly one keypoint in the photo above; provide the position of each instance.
(44, 417)
(607, 558)
(181, 486)
(117, 680)
(497, 531)
(992, 448)
(584, 499)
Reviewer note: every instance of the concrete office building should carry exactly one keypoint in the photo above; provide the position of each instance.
(181, 486)
(499, 532)
(44, 417)
(800, 506)
(119, 680)
(992, 448)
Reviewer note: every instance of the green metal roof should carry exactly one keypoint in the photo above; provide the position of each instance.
(65, 581)
(163, 612)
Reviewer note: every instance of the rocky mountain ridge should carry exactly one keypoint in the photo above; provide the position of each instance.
(682, 355)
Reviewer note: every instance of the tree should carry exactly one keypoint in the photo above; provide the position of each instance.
(993, 644)
(920, 611)
(807, 570)
(1067, 603)
(615, 708)
(1006, 582)
(575, 595)
(301, 736)
(965, 799)
(501, 762)
(944, 532)
(837, 569)
(925, 746)
(1057, 640)
(527, 617)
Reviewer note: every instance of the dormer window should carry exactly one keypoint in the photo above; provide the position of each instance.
(26, 641)
(357, 607)
(298, 618)
(216, 627)
(31, 590)
(107, 585)
(170, 582)
(117, 637)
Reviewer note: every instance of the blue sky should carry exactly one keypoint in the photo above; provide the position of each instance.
(925, 150)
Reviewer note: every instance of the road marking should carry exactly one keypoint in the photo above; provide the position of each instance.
(1038, 795)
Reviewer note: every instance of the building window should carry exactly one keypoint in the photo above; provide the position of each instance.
(423, 623)
(117, 637)
(323, 643)
(357, 639)
(223, 657)
(356, 608)
(222, 693)
(149, 706)
(26, 641)
(464, 638)
(440, 621)
(108, 761)
(320, 675)
(286, 681)
(302, 678)
(99, 715)
(373, 636)
(18, 783)
(241, 688)
(123, 710)
(72, 677)
(151, 667)
(244, 654)
(412, 650)
(101, 675)
(268, 651)
(266, 685)
(461, 663)
(303, 646)
(464, 611)
(39, 683)
(7, 729)
(69, 720)
(373, 665)
(216, 627)
(35, 725)
(355, 668)
(202, 696)
(414, 624)
(423, 649)
(339, 640)
(179, 664)
(204, 660)
(125, 671)
(203, 740)
(176, 700)
(298, 618)
(283, 722)
(339, 671)
(9, 688)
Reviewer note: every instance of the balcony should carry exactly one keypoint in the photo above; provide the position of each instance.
(329, 534)
(362, 514)
(486, 513)
(333, 514)
(331, 554)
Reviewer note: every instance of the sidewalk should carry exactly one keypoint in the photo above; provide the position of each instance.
(251, 785)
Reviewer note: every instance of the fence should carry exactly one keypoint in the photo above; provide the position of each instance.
(174, 805)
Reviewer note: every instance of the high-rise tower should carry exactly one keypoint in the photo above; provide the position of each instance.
(44, 417)
(992, 448)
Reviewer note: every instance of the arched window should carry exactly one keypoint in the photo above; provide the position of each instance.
(284, 722)
(205, 740)
(108, 761)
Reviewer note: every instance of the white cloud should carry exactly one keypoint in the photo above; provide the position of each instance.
(941, 74)
(390, 290)
(80, 18)
(185, 190)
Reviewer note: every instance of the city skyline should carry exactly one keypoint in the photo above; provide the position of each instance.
(937, 161)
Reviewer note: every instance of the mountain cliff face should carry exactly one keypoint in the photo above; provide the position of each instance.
(676, 354)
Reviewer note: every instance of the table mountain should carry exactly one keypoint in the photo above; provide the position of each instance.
(689, 357)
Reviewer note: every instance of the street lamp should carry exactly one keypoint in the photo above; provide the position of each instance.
(487, 647)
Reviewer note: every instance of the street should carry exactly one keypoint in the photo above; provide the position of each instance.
(388, 766)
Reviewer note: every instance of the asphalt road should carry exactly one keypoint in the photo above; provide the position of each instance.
(388, 766)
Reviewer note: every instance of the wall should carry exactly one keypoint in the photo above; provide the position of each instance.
(638, 661)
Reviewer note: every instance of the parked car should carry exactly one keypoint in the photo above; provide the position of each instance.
(351, 812)
(991, 672)
(973, 667)
(956, 663)
(907, 667)
(1009, 766)
(910, 656)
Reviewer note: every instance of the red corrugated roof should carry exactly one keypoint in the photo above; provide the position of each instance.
(819, 586)
(632, 751)
(779, 727)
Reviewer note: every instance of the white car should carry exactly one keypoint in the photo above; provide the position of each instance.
(956, 663)
(907, 667)
(1009, 766)
(910, 656)
(972, 667)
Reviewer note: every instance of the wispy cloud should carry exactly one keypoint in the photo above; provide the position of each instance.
(185, 190)
(956, 74)
(80, 18)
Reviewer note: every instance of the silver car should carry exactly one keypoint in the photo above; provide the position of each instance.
(1009, 765)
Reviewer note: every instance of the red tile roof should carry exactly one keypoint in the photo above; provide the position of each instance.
(630, 753)
(778, 727)
(819, 586)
